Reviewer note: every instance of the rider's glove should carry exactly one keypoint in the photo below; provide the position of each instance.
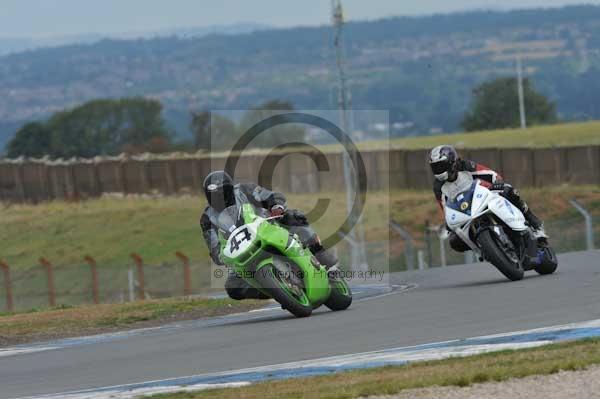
(277, 210)
(497, 186)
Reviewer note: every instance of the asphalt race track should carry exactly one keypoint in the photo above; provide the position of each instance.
(440, 304)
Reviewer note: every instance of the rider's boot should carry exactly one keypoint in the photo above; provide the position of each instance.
(325, 257)
(537, 226)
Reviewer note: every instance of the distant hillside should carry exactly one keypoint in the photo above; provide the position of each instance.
(421, 68)
(9, 45)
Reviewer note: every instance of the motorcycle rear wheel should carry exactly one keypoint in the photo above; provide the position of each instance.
(549, 264)
(341, 295)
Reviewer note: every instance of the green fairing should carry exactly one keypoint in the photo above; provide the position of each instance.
(272, 236)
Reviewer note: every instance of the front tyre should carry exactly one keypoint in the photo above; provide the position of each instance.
(281, 288)
(496, 256)
(341, 295)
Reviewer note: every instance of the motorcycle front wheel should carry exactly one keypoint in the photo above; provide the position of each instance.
(281, 288)
(493, 252)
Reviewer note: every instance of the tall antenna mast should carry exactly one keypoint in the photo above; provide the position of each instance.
(521, 94)
(356, 237)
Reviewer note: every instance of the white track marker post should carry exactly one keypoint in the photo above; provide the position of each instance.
(443, 250)
(421, 257)
(131, 285)
(589, 228)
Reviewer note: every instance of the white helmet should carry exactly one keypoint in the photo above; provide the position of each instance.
(443, 161)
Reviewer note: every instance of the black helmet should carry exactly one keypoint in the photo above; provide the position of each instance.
(218, 188)
(443, 161)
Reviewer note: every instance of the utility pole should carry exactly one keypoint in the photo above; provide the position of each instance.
(356, 236)
(521, 94)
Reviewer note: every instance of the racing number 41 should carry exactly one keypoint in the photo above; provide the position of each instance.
(239, 238)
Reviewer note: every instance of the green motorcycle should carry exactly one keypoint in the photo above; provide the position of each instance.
(272, 260)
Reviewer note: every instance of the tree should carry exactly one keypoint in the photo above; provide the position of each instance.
(212, 131)
(32, 140)
(99, 127)
(277, 135)
(201, 129)
(496, 106)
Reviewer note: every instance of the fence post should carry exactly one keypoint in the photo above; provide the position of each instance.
(410, 248)
(10, 305)
(92, 262)
(50, 276)
(140, 275)
(187, 274)
(589, 233)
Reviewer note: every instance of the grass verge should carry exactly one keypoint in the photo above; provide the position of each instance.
(497, 366)
(560, 135)
(111, 228)
(84, 320)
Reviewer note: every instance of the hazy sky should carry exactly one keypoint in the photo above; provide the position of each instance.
(27, 18)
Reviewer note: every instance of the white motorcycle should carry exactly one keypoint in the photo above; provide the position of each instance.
(494, 229)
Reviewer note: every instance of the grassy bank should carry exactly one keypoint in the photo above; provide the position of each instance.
(390, 380)
(84, 320)
(110, 228)
(570, 134)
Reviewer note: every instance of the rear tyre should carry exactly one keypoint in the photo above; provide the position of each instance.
(283, 290)
(496, 256)
(341, 295)
(549, 264)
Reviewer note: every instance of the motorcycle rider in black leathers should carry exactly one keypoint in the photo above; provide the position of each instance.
(221, 192)
(446, 164)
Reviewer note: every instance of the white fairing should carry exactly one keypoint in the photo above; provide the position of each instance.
(509, 214)
(480, 199)
(240, 239)
(456, 219)
(483, 201)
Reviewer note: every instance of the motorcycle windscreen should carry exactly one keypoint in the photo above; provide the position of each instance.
(229, 220)
(508, 213)
(463, 200)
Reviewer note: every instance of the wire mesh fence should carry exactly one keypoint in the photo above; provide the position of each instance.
(567, 234)
(73, 285)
